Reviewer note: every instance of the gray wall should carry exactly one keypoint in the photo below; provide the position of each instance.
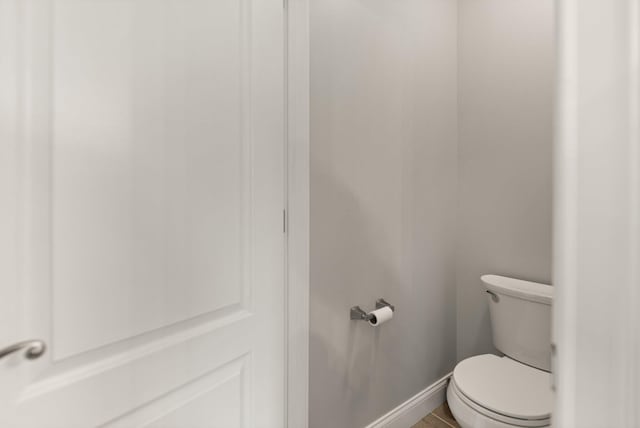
(506, 72)
(404, 207)
(383, 202)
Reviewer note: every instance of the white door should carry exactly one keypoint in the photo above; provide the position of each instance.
(141, 197)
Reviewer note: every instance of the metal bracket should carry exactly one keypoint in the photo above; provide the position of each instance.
(381, 303)
(358, 314)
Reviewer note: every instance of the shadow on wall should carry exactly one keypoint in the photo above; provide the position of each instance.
(359, 372)
(346, 271)
(383, 203)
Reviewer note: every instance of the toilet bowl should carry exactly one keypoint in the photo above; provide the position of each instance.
(489, 391)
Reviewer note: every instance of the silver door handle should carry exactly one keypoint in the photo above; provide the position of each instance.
(34, 349)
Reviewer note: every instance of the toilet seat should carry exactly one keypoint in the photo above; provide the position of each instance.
(503, 390)
(475, 416)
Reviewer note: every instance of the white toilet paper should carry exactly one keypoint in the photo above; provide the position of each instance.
(380, 316)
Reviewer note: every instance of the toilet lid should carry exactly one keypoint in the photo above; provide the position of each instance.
(505, 386)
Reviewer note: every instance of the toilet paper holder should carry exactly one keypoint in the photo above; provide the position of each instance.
(358, 314)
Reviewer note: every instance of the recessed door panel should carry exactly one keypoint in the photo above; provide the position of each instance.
(149, 165)
(215, 400)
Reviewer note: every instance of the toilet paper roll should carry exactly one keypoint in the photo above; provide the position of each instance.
(380, 316)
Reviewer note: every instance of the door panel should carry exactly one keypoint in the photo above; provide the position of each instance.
(146, 243)
(147, 132)
(213, 397)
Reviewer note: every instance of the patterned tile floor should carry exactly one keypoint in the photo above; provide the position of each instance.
(439, 418)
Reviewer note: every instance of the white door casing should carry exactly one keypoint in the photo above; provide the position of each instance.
(597, 215)
(142, 158)
(297, 213)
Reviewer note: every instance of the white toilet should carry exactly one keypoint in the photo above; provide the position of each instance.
(487, 391)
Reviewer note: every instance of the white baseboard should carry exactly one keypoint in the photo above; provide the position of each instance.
(415, 408)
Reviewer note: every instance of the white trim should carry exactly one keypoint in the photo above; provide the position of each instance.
(597, 230)
(565, 206)
(297, 353)
(631, 388)
(415, 408)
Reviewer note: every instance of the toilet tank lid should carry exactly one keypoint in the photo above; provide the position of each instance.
(527, 290)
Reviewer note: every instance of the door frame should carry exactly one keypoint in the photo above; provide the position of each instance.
(297, 213)
(597, 215)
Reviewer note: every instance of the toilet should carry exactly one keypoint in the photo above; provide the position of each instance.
(514, 390)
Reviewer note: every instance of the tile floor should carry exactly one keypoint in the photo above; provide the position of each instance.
(439, 418)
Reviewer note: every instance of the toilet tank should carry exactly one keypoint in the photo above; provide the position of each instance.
(521, 319)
